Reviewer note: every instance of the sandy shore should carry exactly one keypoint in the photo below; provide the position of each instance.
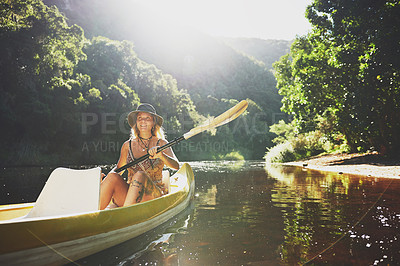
(367, 164)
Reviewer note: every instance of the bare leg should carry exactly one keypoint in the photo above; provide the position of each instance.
(136, 189)
(113, 186)
(141, 189)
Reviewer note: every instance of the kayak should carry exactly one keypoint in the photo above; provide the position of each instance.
(39, 233)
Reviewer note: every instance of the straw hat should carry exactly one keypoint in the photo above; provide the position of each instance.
(144, 108)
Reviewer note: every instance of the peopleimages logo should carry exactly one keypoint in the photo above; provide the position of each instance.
(113, 123)
(202, 146)
(101, 146)
(109, 123)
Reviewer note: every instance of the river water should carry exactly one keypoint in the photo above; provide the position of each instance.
(247, 213)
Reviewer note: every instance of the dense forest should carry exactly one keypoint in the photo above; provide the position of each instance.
(341, 81)
(72, 70)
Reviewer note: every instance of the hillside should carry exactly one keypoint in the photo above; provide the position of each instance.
(212, 70)
(266, 51)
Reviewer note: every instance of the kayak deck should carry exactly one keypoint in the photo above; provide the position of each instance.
(26, 240)
(13, 211)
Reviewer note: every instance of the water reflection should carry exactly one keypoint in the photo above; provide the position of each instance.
(333, 218)
(249, 213)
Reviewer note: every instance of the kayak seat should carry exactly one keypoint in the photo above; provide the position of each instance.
(68, 191)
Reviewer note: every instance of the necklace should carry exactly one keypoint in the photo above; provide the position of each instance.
(145, 139)
(146, 147)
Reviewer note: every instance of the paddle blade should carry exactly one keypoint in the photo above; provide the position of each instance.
(220, 120)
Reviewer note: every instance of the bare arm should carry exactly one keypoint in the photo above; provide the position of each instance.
(122, 158)
(167, 156)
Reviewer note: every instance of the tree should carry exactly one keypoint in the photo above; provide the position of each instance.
(38, 54)
(204, 71)
(116, 69)
(348, 65)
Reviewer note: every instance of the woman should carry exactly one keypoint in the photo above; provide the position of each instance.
(144, 179)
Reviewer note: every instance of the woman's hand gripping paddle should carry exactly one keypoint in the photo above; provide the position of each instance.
(211, 123)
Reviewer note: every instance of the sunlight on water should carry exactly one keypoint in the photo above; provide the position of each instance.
(249, 213)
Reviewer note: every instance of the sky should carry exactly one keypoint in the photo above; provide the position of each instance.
(264, 19)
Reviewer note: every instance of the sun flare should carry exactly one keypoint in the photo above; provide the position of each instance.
(267, 19)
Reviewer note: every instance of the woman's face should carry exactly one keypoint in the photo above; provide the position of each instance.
(144, 122)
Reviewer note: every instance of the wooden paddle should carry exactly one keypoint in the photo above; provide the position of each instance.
(211, 123)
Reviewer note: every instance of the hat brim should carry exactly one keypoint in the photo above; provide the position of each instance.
(132, 118)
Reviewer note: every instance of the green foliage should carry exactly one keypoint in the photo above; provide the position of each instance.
(53, 80)
(39, 52)
(280, 153)
(232, 156)
(296, 146)
(302, 146)
(348, 65)
(205, 68)
(283, 131)
(64, 98)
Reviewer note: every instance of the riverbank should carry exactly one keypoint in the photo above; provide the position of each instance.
(368, 164)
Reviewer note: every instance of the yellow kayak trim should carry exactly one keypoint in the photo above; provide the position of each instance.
(19, 235)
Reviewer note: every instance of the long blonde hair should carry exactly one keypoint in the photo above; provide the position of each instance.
(157, 130)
